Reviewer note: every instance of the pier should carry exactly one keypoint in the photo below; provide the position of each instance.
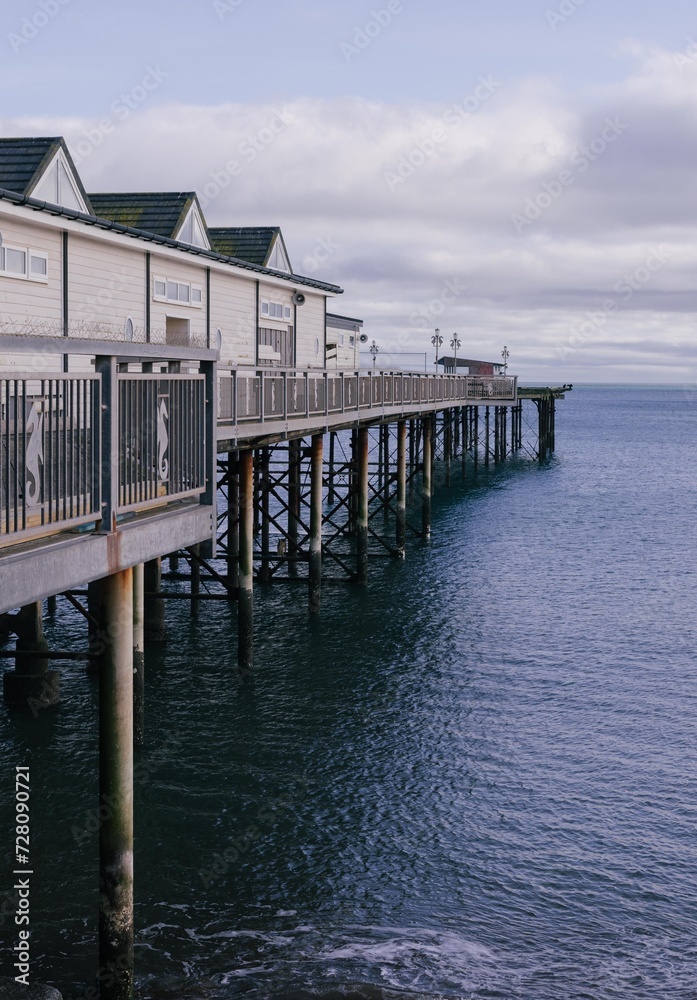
(193, 417)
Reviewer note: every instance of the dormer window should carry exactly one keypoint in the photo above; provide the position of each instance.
(193, 230)
(278, 258)
(59, 186)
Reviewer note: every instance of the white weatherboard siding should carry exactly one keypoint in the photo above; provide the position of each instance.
(310, 331)
(106, 286)
(29, 306)
(233, 312)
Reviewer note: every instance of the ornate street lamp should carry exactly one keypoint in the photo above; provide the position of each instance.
(455, 343)
(505, 354)
(374, 350)
(436, 340)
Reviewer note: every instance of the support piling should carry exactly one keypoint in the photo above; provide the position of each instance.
(116, 787)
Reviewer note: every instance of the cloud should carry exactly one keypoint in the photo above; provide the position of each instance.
(539, 204)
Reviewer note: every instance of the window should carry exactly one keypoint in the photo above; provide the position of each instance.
(275, 310)
(21, 262)
(341, 339)
(164, 290)
(38, 265)
(128, 330)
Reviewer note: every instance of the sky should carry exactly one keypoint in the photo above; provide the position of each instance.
(515, 172)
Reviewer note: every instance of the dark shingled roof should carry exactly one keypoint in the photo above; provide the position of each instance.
(159, 213)
(250, 243)
(23, 160)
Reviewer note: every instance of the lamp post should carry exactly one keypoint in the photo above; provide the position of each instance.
(436, 340)
(505, 354)
(455, 343)
(374, 350)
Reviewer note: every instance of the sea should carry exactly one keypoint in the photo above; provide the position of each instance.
(474, 777)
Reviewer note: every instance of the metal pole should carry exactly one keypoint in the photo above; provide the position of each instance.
(447, 444)
(233, 527)
(245, 592)
(401, 487)
(386, 467)
(331, 497)
(138, 655)
(315, 587)
(486, 437)
(116, 787)
(264, 572)
(426, 479)
(155, 630)
(195, 581)
(362, 488)
(294, 458)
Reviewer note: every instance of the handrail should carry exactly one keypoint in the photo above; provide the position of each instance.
(263, 395)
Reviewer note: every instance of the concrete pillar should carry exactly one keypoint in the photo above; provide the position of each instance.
(315, 581)
(245, 598)
(401, 487)
(233, 528)
(31, 684)
(426, 479)
(155, 629)
(362, 488)
(116, 787)
(138, 656)
(294, 459)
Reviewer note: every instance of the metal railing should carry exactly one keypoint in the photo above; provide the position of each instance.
(81, 450)
(49, 453)
(254, 396)
(162, 439)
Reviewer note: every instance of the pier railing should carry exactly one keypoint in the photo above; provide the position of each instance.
(162, 439)
(81, 451)
(248, 395)
(50, 453)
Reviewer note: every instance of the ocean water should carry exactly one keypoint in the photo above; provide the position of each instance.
(475, 777)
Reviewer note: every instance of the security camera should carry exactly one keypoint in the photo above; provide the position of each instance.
(298, 298)
(363, 338)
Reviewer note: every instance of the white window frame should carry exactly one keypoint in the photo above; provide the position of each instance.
(28, 254)
(190, 288)
(268, 310)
